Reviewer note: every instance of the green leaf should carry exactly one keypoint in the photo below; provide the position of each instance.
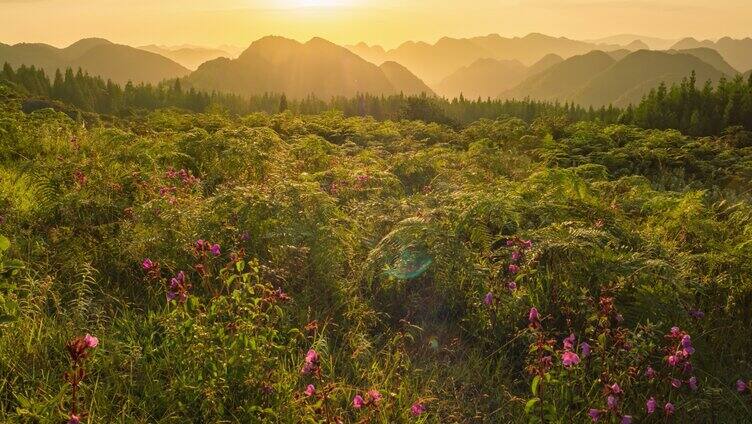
(530, 405)
(534, 385)
(4, 243)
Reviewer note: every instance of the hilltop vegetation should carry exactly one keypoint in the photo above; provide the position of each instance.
(323, 268)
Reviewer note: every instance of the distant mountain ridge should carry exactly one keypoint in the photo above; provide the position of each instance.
(280, 65)
(738, 53)
(189, 56)
(96, 56)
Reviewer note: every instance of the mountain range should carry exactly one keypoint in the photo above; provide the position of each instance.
(738, 53)
(189, 56)
(97, 56)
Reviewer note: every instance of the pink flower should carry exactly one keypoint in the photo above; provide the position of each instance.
(673, 360)
(512, 286)
(569, 342)
(311, 356)
(215, 249)
(616, 389)
(310, 390)
(650, 373)
(627, 419)
(488, 299)
(675, 331)
(516, 256)
(147, 264)
(595, 414)
(533, 316)
(358, 402)
(692, 383)
(669, 408)
(513, 269)
(91, 341)
(375, 396)
(527, 244)
(74, 419)
(650, 405)
(611, 402)
(200, 243)
(569, 359)
(417, 409)
(741, 386)
(585, 349)
(676, 383)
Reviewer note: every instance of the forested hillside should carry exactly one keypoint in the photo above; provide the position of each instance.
(209, 267)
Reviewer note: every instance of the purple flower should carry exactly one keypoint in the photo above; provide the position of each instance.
(488, 299)
(595, 414)
(650, 405)
(627, 419)
(91, 341)
(512, 286)
(215, 250)
(692, 383)
(611, 402)
(686, 343)
(696, 313)
(417, 409)
(676, 383)
(513, 269)
(533, 316)
(358, 402)
(585, 349)
(616, 389)
(569, 359)
(687, 368)
(669, 408)
(741, 386)
(650, 373)
(147, 264)
(310, 390)
(178, 288)
(516, 256)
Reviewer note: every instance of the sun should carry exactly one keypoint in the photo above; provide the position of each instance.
(318, 3)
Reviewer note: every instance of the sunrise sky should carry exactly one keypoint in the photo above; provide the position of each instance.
(386, 22)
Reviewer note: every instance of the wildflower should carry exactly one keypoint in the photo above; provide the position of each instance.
(91, 341)
(585, 349)
(512, 286)
(147, 264)
(741, 386)
(516, 256)
(358, 402)
(696, 313)
(569, 342)
(200, 243)
(215, 250)
(374, 396)
(650, 372)
(650, 405)
(417, 409)
(687, 368)
(627, 419)
(673, 360)
(534, 316)
(619, 318)
(310, 390)
(527, 244)
(611, 402)
(311, 356)
(488, 299)
(692, 383)
(311, 364)
(675, 331)
(616, 389)
(513, 269)
(74, 419)
(178, 288)
(686, 343)
(570, 358)
(595, 414)
(676, 383)
(669, 408)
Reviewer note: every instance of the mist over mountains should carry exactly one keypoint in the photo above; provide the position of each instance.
(616, 70)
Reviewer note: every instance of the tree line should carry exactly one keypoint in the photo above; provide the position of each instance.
(685, 107)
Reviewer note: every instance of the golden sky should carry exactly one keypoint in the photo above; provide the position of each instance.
(386, 22)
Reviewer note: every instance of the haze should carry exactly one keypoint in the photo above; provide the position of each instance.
(386, 22)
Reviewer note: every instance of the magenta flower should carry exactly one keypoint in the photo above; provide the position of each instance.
(627, 419)
(616, 389)
(611, 402)
(513, 269)
(147, 264)
(569, 342)
(358, 402)
(650, 373)
(310, 390)
(533, 316)
(693, 383)
(585, 349)
(676, 383)
(687, 368)
(516, 256)
(741, 386)
(488, 299)
(178, 288)
(91, 341)
(595, 414)
(74, 419)
(200, 243)
(215, 250)
(673, 360)
(417, 409)
(650, 405)
(669, 408)
(311, 362)
(569, 359)
(527, 244)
